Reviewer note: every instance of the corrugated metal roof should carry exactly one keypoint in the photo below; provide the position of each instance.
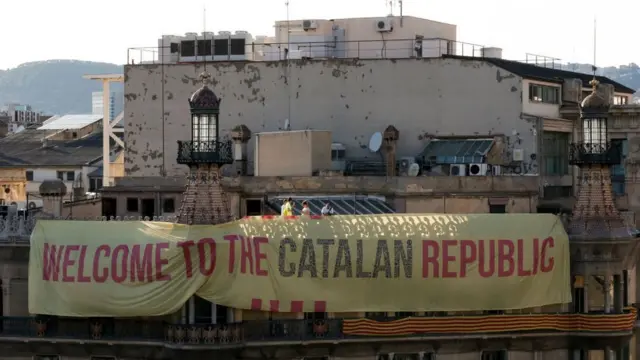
(342, 205)
(70, 122)
(463, 151)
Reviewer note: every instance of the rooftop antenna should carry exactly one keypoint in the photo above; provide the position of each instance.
(390, 7)
(204, 31)
(287, 54)
(594, 82)
(401, 13)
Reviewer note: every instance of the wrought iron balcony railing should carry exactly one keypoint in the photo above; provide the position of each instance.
(278, 331)
(582, 153)
(205, 152)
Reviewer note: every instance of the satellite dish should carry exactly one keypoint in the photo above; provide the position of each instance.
(414, 169)
(375, 142)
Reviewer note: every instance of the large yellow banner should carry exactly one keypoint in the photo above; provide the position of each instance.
(334, 264)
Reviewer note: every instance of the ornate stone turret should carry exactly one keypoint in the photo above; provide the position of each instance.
(603, 246)
(204, 200)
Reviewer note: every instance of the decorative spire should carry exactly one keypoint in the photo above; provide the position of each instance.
(205, 77)
(594, 83)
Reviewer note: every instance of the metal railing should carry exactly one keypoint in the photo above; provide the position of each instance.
(16, 230)
(607, 153)
(213, 151)
(356, 49)
(298, 330)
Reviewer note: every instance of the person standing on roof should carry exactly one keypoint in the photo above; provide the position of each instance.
(305, 208)
(287, 208)
(327, 210)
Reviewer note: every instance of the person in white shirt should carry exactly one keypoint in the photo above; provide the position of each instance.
(305, 208)
(327, 210)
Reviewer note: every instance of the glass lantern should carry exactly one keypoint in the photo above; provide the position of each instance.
(594, 133)
(204, 131)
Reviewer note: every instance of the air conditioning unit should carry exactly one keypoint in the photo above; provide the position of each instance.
(518, 155)
(309, 25)
(495, 170)
(404, 165)
(384, 25)
(478, 170)
(458, 170)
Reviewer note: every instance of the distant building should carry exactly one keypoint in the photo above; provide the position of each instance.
(19, 115)
(97, 104)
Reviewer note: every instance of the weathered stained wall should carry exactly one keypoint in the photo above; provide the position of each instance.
(351, 98)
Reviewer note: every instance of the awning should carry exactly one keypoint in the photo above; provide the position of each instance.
(342, 205)
(458, 151)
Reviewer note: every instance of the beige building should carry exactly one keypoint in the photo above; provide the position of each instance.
(445, 134)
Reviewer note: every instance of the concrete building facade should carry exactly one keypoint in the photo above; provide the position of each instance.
(351, 98)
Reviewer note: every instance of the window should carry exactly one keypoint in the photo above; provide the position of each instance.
(405, 314)
(494, 355)
(71, 175)
(555, 153)
(338, 154)
(132, 204)
(544, 94)
(594, 132)
(253, 207)
(554, 192)
(497, 209)
(618, 172)
(60, 175)
(29, 175)
(204, 129)
(95, 184)
(620, 100)
(168, 205)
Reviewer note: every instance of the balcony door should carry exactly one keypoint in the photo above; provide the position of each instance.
(201, 311)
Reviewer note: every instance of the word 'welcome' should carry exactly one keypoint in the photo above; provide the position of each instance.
(307, 258)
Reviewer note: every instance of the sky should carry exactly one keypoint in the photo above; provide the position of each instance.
(34, 30)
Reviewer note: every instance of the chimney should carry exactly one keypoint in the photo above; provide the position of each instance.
(52, 192)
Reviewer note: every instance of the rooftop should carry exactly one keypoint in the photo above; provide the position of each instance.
(550, 74)
(26, 148)
(70, 122)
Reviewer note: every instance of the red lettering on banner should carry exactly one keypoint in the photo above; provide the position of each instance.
(98, 276)
(522, 272)
(494, 258)
(186, 252)
(246, 255)
(69, 262)
(141, 265)
(430, 255)
(82, 277)
(447, 258)
(547, 262)
(506, 264)
(207, 246)
(232, 251)
(260, 255)
(161, 262)
(119, 263)
(51, 262)
(468, 255)
(135, 263)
